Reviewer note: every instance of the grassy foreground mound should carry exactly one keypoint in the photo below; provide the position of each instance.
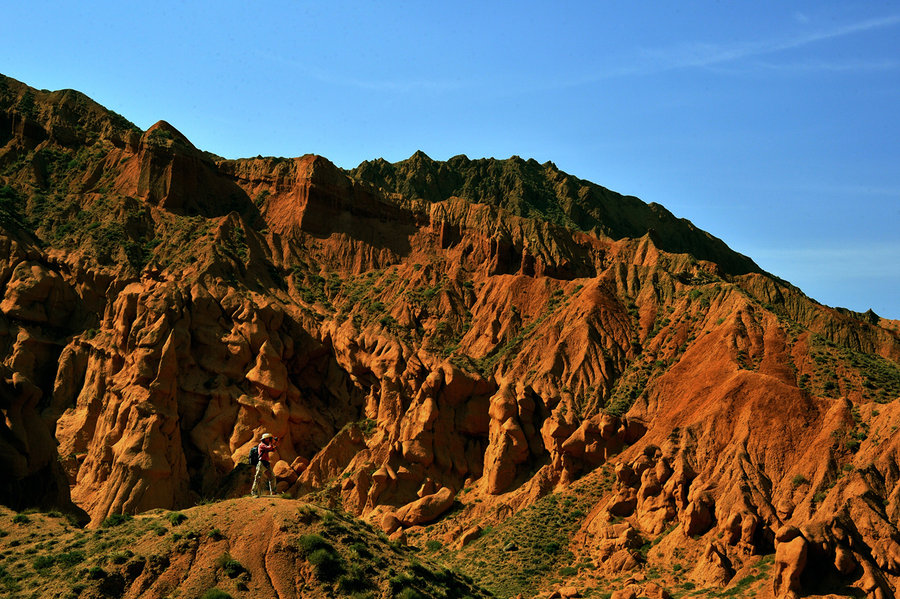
(269, 547)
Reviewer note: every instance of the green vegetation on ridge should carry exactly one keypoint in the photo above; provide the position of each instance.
(526, 188)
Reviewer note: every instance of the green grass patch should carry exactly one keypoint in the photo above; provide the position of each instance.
(530, 546)
(175, 518)
(116, 520)
(7, 581)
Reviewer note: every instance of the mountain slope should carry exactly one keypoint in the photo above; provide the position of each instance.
(450, 351)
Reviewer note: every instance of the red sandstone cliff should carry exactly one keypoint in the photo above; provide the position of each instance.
(162, 307)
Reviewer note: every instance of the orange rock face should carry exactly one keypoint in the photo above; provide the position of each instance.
(428, 352)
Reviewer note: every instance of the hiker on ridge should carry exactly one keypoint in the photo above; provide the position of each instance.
(267, 446)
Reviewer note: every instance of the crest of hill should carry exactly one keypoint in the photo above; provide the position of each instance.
(67, 117)
(527, 188)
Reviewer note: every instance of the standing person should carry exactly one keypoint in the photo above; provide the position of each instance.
(266, 446)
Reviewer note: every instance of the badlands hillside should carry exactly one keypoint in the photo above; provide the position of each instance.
(488, 377)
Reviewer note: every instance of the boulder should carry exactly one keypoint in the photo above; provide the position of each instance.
(299, 464)
(626, 593)
(654, 591)
(284, 472)
(621, 561)
(696, 518)
(426, 508)
(468, 535)
(390, 523)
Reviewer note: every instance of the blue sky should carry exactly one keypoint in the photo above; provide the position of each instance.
(772, 125)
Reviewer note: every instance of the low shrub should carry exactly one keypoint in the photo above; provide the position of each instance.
(354, 580)
(361, 550)
(120, 557)
(327, 562)
(116, 520)
(230, 566)
(799, 480)
(176, 518)
(399, 582)
(551, 547)
(216, 534)
(7, 581)
(70, 558)
(410, 593)
(312, 542)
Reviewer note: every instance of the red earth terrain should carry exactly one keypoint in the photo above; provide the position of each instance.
(491, 361)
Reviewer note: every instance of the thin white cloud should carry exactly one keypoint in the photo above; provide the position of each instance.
(850, 29)
(649, 61)
(725, 55)
(700, 54)
(849, 66)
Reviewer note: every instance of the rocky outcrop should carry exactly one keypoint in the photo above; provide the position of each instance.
(172, 380)
(36, 312)
(169, 172)
(790, 560)
(36, 294)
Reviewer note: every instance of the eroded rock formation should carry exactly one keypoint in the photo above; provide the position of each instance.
(429, 346)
